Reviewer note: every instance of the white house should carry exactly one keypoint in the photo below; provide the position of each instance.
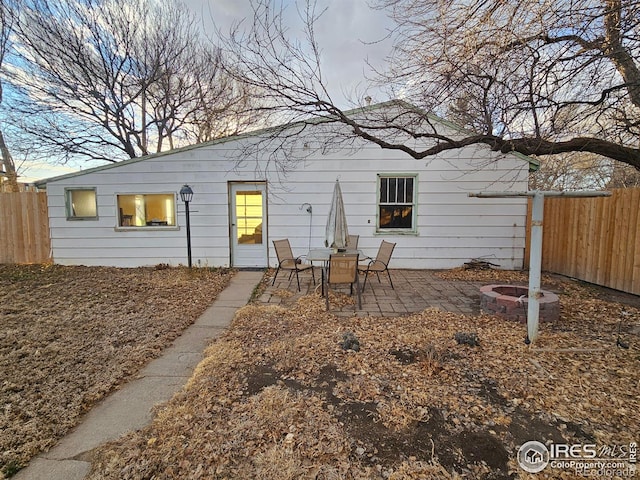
(130, 214)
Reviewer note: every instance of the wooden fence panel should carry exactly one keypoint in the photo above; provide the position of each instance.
(594, 239)
(24, 228)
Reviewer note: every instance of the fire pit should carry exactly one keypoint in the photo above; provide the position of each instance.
(511, 302)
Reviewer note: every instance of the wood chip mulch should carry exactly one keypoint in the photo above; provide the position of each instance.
(290, 393)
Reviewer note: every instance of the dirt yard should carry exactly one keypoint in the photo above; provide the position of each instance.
(70, 335)
(291, 393)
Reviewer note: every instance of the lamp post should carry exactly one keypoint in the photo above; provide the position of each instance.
(186, 194)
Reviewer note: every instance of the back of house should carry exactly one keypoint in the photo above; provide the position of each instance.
(247, 193)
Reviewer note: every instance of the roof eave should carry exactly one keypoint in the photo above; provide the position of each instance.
(533, 163)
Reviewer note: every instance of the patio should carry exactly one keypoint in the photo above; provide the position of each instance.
(414, 291)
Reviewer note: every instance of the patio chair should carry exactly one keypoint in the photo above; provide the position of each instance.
(380, 263)
(352, 242)
(286, 261)
(343, 269)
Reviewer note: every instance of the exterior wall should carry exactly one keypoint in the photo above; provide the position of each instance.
(451, 227)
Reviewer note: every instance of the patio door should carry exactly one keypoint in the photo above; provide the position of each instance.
(248, 220)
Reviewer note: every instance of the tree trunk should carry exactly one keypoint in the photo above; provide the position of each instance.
(9, 168)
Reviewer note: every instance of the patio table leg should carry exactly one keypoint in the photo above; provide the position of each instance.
(323, 268)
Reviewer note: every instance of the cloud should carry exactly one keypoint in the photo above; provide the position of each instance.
(350, 33)
(31, 171)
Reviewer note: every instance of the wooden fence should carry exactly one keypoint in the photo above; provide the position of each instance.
(594, 239)
(24, 228)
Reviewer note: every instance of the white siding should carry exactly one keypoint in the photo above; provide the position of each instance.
(451, 227)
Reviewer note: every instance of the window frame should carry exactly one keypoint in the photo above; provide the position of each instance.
(127, 228)
(68, 203)
(413, 230)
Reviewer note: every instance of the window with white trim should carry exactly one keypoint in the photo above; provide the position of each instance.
(81, 203)
(396, 203)
(147, 210)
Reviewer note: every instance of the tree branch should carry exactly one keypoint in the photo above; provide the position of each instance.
(540, 147)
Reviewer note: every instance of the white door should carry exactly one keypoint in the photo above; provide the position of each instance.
(248, 224)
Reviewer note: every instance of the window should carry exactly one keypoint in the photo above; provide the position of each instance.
(249, 216)
(396, 203)
(81, 204)
(147, 210)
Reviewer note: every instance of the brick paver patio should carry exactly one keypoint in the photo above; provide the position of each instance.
(414, 291)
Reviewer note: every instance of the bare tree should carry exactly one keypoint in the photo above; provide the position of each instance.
(573, 171)
(7, 163)
(545, 78)
(623, 176)
(112, 79)
(284, 72)
(542, 78)
(579, 170)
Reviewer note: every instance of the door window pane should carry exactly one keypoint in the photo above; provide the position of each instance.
(249, 216)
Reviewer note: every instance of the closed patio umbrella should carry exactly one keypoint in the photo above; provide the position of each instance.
(337, 233)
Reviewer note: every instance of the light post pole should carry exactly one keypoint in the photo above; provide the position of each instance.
(186, 194)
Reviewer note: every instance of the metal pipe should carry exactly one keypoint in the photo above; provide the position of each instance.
(309, 210)
(186, 209)
(582, 193)
(535, 266)
(535, 255)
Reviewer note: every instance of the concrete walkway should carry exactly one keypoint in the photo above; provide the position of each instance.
(130, 407)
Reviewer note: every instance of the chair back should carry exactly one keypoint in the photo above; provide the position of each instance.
(343, 268)
(283, 250)
(384, 252)
(352, 242)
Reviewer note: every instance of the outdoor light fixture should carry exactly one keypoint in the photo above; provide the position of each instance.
(186, 194)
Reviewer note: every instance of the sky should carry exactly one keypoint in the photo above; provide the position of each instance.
(30, 172)
(350, 33)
